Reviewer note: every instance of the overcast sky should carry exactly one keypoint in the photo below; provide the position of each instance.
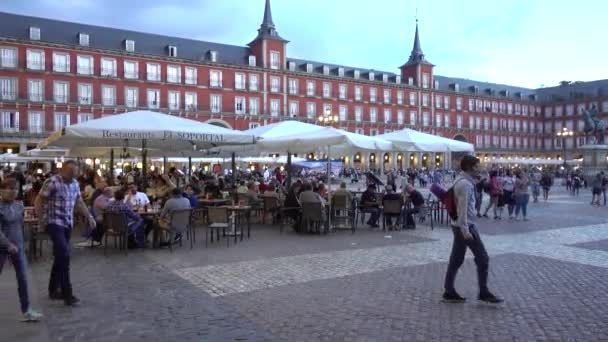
(517, 42)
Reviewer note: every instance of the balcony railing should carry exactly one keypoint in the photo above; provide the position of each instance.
(35, 97)
(191, 107)
(173, 106)
(153, 76)
(190, 80)
(60, 98)
(85, 100)
(36, 129)
(35, 65)
(8, 62)
(215, 84)
(153, 104)
(8, 96)
(61, 67)
(108, 72)
(131, 75)
(108, 101)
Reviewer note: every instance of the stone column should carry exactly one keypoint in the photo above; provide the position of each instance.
(22, 147)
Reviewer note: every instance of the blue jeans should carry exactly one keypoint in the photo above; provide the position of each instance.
(60, 273)
(521, 203)
(136, 229)
(20, 264)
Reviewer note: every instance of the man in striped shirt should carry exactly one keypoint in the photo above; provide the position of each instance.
(56, 202)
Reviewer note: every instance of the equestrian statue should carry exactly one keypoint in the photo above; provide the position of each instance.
(594, 125)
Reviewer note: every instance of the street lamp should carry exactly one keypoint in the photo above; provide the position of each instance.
(564, 134)
(327, 119)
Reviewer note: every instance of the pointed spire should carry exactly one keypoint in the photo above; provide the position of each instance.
(267, 30)
(267, 15)
(417, 56)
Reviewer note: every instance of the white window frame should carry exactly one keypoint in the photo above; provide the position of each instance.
(104, 70)
(446, 102)
(131, 101)
(294, 109)
(8, 88)
(459, 121)
(83, 39)
(343, 91)
(190, 76)
(174, 100)
(373, 114)
(153, 98)
(81, 68)
(373, 94)
(400, 117)
(252, 61)
(326, 89)
(293, 86)
(446, 120)
(215, 103)
(191, 101)
(128, 74)
(85, 99)
(425, 119)
(10, 121)
(275, 84)
(459, 103)
(242, 101)
(388, 115)
(35, 96)
(151, 74)
(343, 112)
(413, 96)
(311, 110)
(108, 95)
(9, 58)
(172, 75)
(413, 117)
(130, 45)
(254, 80)
(358, 113)
(35, 122)
(425, 100)
(84, 117)
(64, 123)
(399, 97)
(215, 79)
(310, 88)
(61, 98)
(254, 106)
(386, 96)
(34, 33)
(358, 93)
(275, 57)
(33, 63)
(275, 107)
(61, 67)
(240, 81)
(438, 120)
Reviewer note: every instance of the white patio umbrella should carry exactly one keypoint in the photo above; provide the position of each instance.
(411, 140)
(159, 131)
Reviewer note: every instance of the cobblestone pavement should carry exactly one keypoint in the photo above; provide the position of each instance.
(367, 286)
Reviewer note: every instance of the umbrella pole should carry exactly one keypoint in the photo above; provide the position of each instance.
(233, 180)
(111, 167)
(165, 171)
(329, 187)
(144, 163)
(189, 169)
(288, 182)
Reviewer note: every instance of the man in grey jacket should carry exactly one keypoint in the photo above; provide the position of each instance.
(466, 235)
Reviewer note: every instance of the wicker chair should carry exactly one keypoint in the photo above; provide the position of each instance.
(217, 218)
(343, 212)
(312, 213)
(116, 226)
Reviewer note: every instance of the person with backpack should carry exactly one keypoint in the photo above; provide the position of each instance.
(466, 235)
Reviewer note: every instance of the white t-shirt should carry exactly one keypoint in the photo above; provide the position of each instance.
(508, 183)
(138, 199)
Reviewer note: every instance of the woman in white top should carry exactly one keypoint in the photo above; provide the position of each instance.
(508, 184)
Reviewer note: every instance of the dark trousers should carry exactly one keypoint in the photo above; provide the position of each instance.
(409, 217)
(60, 273)
(20, 265)
(375, 214)
(459, 249)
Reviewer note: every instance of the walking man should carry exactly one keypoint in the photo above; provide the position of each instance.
(59, 197)
(466, 235)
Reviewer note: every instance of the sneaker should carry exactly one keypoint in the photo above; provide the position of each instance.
(178, 238)
(478, 215)
(486, 216)
(32, 316)
(489, 298)
(72, 301)
(452, 297)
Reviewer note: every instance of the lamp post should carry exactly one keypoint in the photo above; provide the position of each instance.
(327, 119)
(564, 134)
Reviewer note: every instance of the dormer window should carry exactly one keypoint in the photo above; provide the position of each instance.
(34, 33)
(455, 87)
(292, 66)
(341, 71)
(384, 78)
(130, 45)
(372, 76)
(398, 79)
(518, 95)
(325, 70)
(410, 81)
(436, 84)
(83, 39)
(172, 51)
(506, 93)
(308, 67)
(213, 55)
(357, 74)
(252, 61)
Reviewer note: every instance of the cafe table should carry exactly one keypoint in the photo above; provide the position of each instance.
(239, 212)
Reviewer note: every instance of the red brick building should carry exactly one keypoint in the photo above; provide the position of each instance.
(55, 73)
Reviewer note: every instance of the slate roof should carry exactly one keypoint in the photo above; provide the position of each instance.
(14, 26)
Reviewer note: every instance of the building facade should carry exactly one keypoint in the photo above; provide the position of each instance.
(54, 73)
